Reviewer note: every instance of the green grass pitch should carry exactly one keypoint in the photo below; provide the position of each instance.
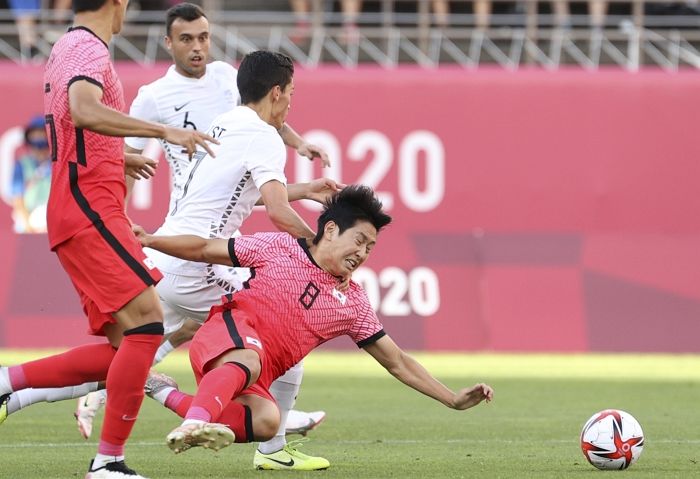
(378, 428)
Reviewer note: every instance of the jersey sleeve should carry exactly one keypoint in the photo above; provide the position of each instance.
(86, 62)
(266, 158)
(143, 107)
(251, 251)
(366, 329)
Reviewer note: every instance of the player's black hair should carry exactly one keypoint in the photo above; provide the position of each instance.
(189, 12)
(87, 5)
(260, 71)
(352, 204)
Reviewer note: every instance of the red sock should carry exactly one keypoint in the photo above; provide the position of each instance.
(179, 402)
(216, 390)
(236, 416)
(77, 366)
(125, 381)
(239, 419)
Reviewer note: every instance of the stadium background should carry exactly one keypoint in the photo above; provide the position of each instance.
(535, 209)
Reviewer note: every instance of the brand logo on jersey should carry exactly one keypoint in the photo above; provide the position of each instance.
(339, 296)
(149, 263)
(253, 341)
(178, 108)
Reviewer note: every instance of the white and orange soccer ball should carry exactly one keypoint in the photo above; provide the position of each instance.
(612, 439)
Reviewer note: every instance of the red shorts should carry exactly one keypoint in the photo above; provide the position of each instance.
(108, 268)
(224, 330)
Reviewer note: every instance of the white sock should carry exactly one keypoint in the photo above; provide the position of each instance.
(101, 460)
(5, 384)
(164, 349)
(162, 395)
(27, 397)
(187, 422)
(285, 394)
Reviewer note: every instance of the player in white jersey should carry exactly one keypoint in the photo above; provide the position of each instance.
(186, 101)
(191, 94)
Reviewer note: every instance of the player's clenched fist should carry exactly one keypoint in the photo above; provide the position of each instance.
(470, 397)
(189, 139)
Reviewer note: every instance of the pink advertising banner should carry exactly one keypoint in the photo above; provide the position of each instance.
(534, 210)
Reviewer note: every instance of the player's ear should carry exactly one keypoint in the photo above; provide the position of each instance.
(276, 92)
(168, 43)
(329, 229)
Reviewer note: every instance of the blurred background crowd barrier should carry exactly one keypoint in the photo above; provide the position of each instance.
(469, 33)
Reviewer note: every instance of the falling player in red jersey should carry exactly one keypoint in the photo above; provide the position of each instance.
(289, 306)
(90, 233)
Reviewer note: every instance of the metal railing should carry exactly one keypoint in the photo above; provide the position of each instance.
(524, 37)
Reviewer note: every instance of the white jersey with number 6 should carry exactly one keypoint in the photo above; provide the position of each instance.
(179, 101)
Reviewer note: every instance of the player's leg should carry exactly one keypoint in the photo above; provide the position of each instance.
(127, 306)
(284, 389)
(178, 325)
(23, 398)
(251, 416)
(223, 369)
(86, 257)
(138, 330)
(275, 453)
(226, 377)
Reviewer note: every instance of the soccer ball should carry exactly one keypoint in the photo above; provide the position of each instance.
(612, 439)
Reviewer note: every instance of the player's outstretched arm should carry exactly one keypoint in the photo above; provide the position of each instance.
(292, 139)
(189, 247)
(275, 198)
(318, 190)
(87, 111)
(410, 372)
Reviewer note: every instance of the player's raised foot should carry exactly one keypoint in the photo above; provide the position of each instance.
(4, 399)
(156, 382)
(112, 470)
(208, 435)
(289, 458)
(88, 406)
(300, 422)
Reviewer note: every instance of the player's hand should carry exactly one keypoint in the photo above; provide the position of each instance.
(470, 397)
(139, 166)
(323, 188)
(189, 139)
(140, 234)
(312, 151)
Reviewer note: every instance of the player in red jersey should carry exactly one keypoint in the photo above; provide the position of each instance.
(288, 307)
(90, 233)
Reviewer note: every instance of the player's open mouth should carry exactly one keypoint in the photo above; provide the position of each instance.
(196, 60)
(352, 264)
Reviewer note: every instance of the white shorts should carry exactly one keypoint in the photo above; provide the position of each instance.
(192, 297)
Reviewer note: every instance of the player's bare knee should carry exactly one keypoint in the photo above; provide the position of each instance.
(143, 309)
(265, 426)
(247, 358)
